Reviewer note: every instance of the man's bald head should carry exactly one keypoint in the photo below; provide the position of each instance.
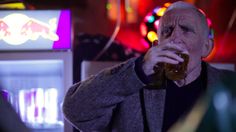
(183, 5)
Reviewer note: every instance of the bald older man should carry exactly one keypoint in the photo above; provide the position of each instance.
(121, 99)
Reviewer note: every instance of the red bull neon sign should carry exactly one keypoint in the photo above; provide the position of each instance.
(16, 29)
(26, 30)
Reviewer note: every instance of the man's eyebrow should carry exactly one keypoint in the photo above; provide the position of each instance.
(167, 25)
(189, 26)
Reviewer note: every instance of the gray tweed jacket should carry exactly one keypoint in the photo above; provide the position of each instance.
(112, 101)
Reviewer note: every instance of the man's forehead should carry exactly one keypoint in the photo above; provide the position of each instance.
(181, 15)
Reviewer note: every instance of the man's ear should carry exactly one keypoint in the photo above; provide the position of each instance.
(207, 47)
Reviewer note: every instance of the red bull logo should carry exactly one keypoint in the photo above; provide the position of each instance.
(16, 29)
(4, 29)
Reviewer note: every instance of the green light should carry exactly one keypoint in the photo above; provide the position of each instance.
(151, 19)
(108, 6)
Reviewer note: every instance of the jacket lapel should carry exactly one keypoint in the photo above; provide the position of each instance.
(154, 101)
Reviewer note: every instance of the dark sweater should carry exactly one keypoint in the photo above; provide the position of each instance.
(179, 100)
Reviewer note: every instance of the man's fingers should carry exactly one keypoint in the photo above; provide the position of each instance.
(162, 53)
(164, 59)
(170, 54)
(172, 47)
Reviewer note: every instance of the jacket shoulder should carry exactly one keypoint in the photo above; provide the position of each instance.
(227, 77)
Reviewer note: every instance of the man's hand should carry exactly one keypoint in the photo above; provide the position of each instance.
(163, 53)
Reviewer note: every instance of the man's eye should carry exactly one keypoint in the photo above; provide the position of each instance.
(166, 32)
(186, 29)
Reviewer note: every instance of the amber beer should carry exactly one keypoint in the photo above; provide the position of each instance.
(177, 71)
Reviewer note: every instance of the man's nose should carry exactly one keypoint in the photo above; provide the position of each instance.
(176, 35)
